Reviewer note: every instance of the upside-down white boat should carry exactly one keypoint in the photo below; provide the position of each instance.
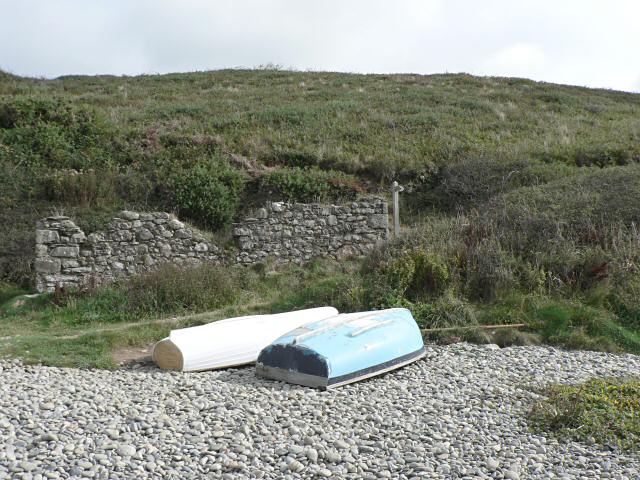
(229, 342)
(343, 349)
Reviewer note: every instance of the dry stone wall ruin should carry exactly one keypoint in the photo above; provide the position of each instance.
(135, 243)
(299, 232)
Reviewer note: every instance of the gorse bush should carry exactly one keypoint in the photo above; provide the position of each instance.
(412, 275)
(297, 184)
(208, 193)
(581, 207)
(472, 181)
(53, 133)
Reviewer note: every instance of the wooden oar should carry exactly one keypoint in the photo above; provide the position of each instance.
(471, 327)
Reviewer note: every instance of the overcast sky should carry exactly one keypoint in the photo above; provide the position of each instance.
(589, 42)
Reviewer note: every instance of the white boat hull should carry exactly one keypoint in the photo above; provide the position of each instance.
(230, 342)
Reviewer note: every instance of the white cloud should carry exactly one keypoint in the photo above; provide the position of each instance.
(585, 42)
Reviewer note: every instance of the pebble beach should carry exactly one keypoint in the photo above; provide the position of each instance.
(461, 412)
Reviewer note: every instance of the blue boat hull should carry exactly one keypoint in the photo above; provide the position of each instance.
(343, 349)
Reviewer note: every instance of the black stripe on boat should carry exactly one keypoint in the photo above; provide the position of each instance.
(304, 367)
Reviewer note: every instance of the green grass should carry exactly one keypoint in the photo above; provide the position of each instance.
(522, 199)
(9, 291)
(606, 411)
(133, 142)
(382, 125)
(84, 329)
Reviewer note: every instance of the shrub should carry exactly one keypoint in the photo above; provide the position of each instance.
(50, 132)
(311, 184)
(581, 208)
(605, 410)
(446, 311)
(606, 156)
(336, 290)
(208, 193)
(392, 277)
(575, 326)
(474, 180)
(431, 275)
(173, 289)
(96, 187)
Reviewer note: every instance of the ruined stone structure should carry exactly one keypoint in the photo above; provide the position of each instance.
(135, 243)
(299, 232)
(132, 243)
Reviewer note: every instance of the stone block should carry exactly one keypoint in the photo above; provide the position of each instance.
(277, 207)
(332, 220)
(122, 236)
(379, 220)
(69, 226)
(201, 247)
(41, 250)
(42, 265)
(66, 251)
(183, 233)
(79, 270)
(174, 224)
(144, 235)
(245, 244)
(128, 215)
(241, 232)
(47, 236)
(95, 237)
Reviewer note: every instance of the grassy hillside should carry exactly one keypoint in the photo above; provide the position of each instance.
(96, 144)
(522, 199)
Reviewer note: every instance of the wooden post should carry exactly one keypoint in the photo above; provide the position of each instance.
(396, 189)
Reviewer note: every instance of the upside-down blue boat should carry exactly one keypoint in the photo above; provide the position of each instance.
(343, 349)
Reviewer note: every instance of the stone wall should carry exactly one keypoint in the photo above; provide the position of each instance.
(135, 243)
(299, 232)
(132, 243)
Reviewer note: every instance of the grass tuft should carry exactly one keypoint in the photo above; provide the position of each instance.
(606, 411)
